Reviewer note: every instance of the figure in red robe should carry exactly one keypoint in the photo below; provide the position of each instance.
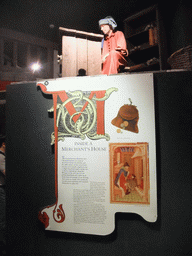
(114, 47)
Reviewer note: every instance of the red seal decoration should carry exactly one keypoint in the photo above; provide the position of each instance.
(44, 218)
(60, 216)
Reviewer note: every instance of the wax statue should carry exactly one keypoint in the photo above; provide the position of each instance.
(114, 47)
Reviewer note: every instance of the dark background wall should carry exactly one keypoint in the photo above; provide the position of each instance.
(178, 24)
(30, 179)
(34, 17)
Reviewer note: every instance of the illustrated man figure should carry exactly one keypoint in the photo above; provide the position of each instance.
(114, 47)
(120, 180)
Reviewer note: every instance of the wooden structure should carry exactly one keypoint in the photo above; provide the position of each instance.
(80, 51)
(146, 40)
(18, 51)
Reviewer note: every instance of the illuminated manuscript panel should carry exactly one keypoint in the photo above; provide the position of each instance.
(105, 151)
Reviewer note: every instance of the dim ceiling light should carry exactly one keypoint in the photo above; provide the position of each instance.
(35, 66)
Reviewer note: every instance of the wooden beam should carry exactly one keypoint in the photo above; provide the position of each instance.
(74, 31)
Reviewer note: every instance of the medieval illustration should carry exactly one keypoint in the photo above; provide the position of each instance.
(127, 118)
(81, 114)
(129, 172)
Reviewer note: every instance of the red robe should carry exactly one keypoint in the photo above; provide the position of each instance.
(115, 59)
